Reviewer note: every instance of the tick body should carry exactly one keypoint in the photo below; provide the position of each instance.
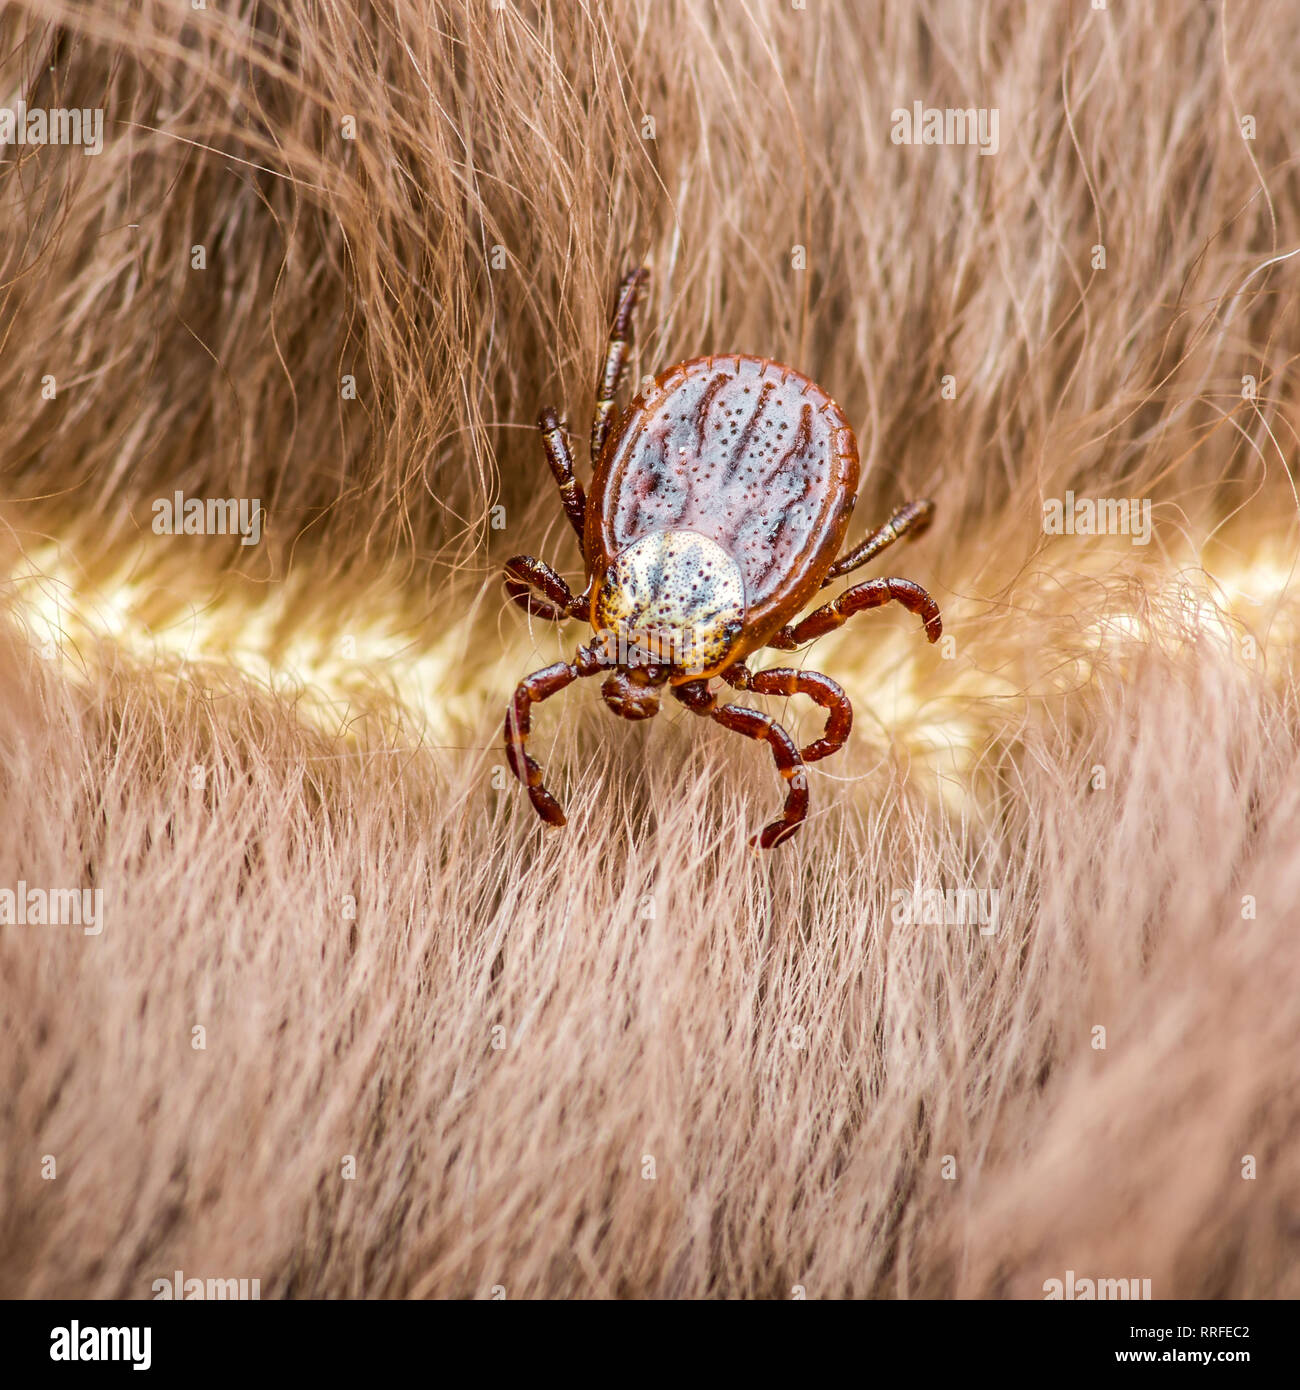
(719, 505)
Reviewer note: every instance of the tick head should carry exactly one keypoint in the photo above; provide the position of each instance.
(632, 693)
(671, 604)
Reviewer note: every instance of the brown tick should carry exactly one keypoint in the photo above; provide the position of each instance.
(718, 505)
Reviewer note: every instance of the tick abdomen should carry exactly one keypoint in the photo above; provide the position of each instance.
(742, 451)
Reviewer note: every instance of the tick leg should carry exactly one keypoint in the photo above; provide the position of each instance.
(871, 594)
(558, 456)
(616, 355)
(784, 680)
(912, 519)
(696, 696)
(523, 574)
(541, 685)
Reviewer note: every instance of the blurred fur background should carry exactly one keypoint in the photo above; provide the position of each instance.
(632, 1058)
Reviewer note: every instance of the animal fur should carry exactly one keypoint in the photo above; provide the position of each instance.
(632, 1058)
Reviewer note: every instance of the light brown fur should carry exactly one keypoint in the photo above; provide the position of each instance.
(790, 1063)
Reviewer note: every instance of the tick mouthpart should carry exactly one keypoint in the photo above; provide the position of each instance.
(630, 698)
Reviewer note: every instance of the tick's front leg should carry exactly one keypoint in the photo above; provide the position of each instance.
(696, 696)
(541, 685)
(785, 680)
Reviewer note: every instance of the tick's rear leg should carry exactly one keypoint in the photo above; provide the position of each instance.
(558, 456)
(912, 519)
(523, 574)
(695, 695)
(541, 685)
(616, 355)
(872, 594)
(784, 680)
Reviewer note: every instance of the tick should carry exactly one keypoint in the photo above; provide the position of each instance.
(719, 502)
